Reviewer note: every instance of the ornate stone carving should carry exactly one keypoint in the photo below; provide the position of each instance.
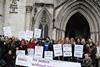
(97, 2)
(44, 17)
(28, 9)
(13, 6)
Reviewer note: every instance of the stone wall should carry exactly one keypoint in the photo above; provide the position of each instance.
(15, 15)
(1, 16)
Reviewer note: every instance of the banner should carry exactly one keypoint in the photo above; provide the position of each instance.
(57, 50)
(37, 62)
(48, 55)
(78, 51)
(37, 33)
(67, 50)
(52, 63)
(39, 51)
(7, 31)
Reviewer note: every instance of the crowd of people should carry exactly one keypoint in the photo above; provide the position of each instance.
(8, 47)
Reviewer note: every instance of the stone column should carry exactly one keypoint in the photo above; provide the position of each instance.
(63, 34)
(28, 17)
(93, 36)
(1, 16)
(54, 34)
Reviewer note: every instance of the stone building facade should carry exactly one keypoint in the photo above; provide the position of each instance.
(54, 17)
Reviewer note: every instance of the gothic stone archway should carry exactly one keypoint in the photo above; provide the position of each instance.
(77, 26)
(83, 7)
(43, 21)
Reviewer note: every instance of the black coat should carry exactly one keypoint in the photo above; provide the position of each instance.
(2, 61)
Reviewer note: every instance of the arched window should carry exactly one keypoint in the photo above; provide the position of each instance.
(44, 24)
(46, 30)
(41, 27)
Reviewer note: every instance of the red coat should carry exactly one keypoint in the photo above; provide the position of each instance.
(31, 45)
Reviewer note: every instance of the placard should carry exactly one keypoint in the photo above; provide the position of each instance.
(37, 33)
(22, 35)
(29, 34)
(39, 51)
(7, 31)
(48, 55)
(67, 50)
(20, 52)
(23, 60)
(78, 51)
(30, 52)
(57, 50)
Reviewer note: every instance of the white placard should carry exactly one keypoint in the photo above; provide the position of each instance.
(20, 52)
(22, 35)
(30, 52)
(23, 60)
(7, 31)
(48, 55)
(29, 34)
(78, 51)
(39, 51)
(57, 50)
(67, 50)
(37, 33)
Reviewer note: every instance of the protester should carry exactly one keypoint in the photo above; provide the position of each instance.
(23, 46)
(31, 44)
(93, 53)
(2, 61)
(8, 47)
(87, 62)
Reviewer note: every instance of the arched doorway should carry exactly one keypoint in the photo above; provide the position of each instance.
(77, 26)
(84, 7)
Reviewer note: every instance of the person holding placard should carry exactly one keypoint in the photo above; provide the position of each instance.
(93, 53)
(72, 42)
(23, 45)
(67, 48)
(48, 49)
(58, 50)
(32, 44)
(9, 52)
(79, 51)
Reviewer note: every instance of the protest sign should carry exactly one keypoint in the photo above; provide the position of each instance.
(7, 31)
(67, 50)
(39, 51)
(20, 52)
(78, 51)
(29, 34)
(30, 52)
(48, 55)
(22, 35)
(37, 33)
(57, 50)
(23, 60)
